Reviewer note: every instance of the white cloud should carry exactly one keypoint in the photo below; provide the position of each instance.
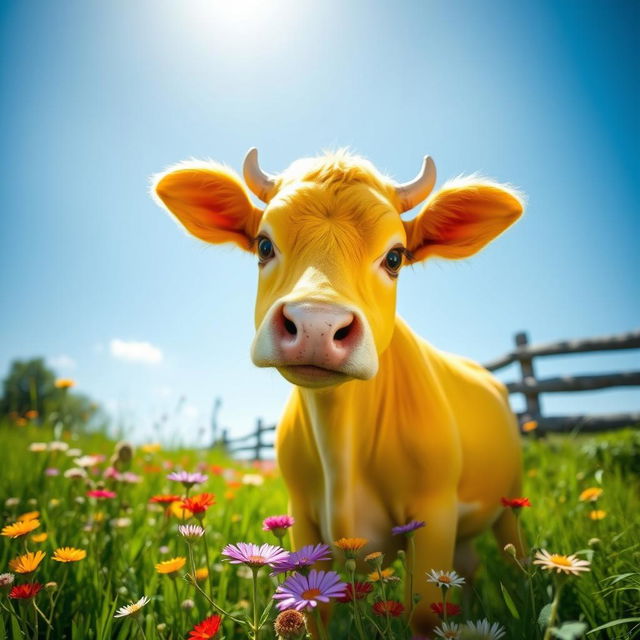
(132, 351)
(63, 361)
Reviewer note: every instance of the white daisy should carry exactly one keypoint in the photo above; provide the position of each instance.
(448, 630)
(445, 579)
(483, 630)
(562, 564)
(132, 609)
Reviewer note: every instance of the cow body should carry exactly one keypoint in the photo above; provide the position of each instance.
(381, 427)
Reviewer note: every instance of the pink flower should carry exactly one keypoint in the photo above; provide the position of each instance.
(277, 524)
(101, 493)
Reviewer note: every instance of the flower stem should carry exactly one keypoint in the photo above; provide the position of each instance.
(356, 608)
(178, 609)
(410, 567)
(321, 630)
(254, 598)
(444, 603)
(384, 597)
(554, 609)
(140, 628)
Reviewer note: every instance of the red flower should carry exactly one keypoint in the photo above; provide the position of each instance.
(452, 609)
(198, 503)
(206, 629)
(515, 503)
(391, 607)
(362, 590)
(25, 591)
(164, 498)
(101, 493)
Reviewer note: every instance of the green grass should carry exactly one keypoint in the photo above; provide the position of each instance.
(119, 567)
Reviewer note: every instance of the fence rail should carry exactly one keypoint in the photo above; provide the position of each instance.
(528, 385)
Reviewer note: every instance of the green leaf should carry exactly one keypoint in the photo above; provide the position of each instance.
(508, 600)
(614, 623)
(266, 612)
(544, 616)
(569, 631)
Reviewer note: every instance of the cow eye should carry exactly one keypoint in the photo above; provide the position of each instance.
(393, 262)
(265, 249)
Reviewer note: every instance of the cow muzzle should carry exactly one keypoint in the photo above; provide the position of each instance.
(315, 344)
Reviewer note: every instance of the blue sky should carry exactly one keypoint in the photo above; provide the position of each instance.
(96, 97)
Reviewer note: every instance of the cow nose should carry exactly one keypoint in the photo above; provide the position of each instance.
(317, 334)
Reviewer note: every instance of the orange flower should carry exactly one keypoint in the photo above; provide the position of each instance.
(597, 514)
(529, 425)
(30, 515)
(202, 574)
(64, 383)
(69, 554)
(20, 528)
(198, 503)
(351, 544)
(39, 537)
(590, 495)
(27, 563)
(165, 498)
(171, 566)
(386, 573)
(31, 414)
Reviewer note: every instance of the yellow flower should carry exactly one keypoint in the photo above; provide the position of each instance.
(597, 514)
(27, 563)
(30, 515)
(176, 510)
(152, 447)
(373, 556)
(561, 564)
(69, 554)
(20, 528)
(386, 573)
(590, 495)
(529, 425)
(202, 574)
(171, 566)
(351, 544)
(39, 537)
(64, 383)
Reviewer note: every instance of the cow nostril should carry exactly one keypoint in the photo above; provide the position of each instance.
(343, 332)
(290, 327)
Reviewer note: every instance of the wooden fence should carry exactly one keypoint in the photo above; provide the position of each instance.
(531, 387)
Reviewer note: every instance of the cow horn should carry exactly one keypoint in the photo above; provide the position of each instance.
(257, 180)
(411, 193)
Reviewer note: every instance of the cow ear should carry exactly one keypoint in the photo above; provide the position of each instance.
(209, 201)
(461, 218)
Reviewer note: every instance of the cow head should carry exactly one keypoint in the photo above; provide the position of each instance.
(330, 244)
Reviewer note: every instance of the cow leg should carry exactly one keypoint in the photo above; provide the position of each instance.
(434, 545)
(465, 562)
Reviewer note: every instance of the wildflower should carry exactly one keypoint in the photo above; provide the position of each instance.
(254, 556)
(73, 453)
(290, 624)
(277, 524)
(51, 472)
(32, 414)
(515, 503)
(362, 590)
(304, 592)
(120, 523)
(164, 498)
(199, 503)
(206, 629)
(191, 531)
(187, 604)
(510, 549)
(253, 479)
(448, 630)
(101, 493)
(88, 461)
(408, 528)
(451, 609)
(152, 447)
(38, 447)
(11, 502)
(130, 478)
(75, 473)
(27, 563)
(594, 542)
(132, 609)
(597, 514)
(25, 591)
(302, 559)
(6, 580)
(591, 494)
(69, 554)
(483, 630)
(351, 546)
(562, 564)
(53, 503)
(64, 383)
(172, 566)
(445, 579)
(386, 575)
(202, 574)
(20, 528)
(188, 479)
(58, 445)
(30, 515)
(392, 608)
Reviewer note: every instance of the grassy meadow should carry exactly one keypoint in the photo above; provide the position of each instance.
(125, 536)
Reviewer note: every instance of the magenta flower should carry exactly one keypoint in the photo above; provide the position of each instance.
(277, 524)
(410, 527)
(187, 479)
(101, 493)
(304, 592)
(51, 471)
(254, 556)
(302, 559)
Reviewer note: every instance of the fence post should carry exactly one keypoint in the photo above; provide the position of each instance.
(528, 375)
(225, 440)
(258, 452)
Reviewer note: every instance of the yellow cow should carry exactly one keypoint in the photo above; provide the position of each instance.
(381, 427)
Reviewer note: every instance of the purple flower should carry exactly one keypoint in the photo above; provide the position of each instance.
(410, 527)
(51, 471)
(304, 592)
(305, 557)
(187, 479)
(277, 524)
(254, 556)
